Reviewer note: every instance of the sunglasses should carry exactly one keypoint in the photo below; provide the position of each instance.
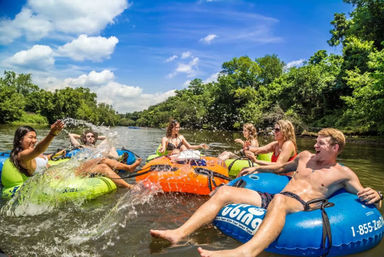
(276, 130)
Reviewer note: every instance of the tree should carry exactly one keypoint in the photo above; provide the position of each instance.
(271, 68)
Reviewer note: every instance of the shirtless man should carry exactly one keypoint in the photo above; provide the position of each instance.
(317, 176)
(105, 165)
(88, 140)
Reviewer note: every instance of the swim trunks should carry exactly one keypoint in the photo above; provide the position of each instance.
(266, 198)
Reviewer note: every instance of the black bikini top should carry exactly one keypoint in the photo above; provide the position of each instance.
(171, 146)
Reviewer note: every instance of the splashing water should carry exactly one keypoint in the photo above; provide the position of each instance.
(111, 136)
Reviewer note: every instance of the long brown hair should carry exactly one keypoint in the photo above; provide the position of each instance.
(17, 147)
(171, 125)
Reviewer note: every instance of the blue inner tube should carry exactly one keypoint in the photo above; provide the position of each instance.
(3, 157)
(130, 159)
(355, 227)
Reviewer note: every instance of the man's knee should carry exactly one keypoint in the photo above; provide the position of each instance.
(223, 193)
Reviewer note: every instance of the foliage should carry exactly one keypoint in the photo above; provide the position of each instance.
(31, 118)
(19, 95)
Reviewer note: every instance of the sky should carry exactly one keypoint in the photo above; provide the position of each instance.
(134, 54)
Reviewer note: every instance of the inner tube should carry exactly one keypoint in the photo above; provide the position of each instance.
(199, 176)
(61, 190)
(236, 165)
(354, 226)
(128, 156)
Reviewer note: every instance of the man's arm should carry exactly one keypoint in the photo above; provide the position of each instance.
(365, 194)
(73, 138)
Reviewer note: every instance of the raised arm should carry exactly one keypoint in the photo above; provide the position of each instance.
(73, 138)
(239, 141)
(31, 153)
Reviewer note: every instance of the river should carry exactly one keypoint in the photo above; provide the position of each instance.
(118, 224)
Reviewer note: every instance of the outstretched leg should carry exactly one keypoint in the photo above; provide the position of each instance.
(268, 231)
(116, 165)
(94, 167)
(208, 211)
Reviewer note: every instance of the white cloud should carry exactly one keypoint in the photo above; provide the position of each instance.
(187, 68)
(123, 98)
(185, 55)
(89, 48)
(39, 57)
(212, 78)
(294, 64)
(92, 79)
(41, 18)
(208, 39)
(172, 58)
(140, 102)
(186, 83)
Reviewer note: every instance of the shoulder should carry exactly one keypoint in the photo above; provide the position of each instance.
(345, 170)
(304, 154)
(288, 144)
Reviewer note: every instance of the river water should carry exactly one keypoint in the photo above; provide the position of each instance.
(118, 224)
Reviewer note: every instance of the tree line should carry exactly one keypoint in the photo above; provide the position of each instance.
(344, 91)
(23, 101)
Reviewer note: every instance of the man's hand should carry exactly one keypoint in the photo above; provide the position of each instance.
(369, 196)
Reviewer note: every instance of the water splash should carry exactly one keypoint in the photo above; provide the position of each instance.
(119, 216)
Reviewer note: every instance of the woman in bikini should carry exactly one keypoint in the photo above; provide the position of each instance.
(284, 147)
(250, 135)
(174, 143)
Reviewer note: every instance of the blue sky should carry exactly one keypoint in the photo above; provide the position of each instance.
(134, 54)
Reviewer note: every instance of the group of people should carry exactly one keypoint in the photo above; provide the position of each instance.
(315, 175)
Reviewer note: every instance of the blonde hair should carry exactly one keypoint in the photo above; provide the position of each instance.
(288, 131)
(337, 137)
(252, 132)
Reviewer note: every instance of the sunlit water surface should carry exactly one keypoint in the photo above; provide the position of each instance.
(118, 224)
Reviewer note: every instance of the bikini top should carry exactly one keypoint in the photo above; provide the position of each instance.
(275, 157)
(171, 146)
(41, 164)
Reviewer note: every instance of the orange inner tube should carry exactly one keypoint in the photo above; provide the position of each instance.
(194, 176)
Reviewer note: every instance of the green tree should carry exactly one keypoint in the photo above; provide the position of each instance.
(271, 68)
(11, 104)
(367, 101)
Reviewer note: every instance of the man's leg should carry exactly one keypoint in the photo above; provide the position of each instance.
(268, 231)
(116, 165)
(208, 211)
(95, 167)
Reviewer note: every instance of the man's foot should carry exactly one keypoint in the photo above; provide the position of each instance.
(135, 164)
(170, 235)
(225, 253)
